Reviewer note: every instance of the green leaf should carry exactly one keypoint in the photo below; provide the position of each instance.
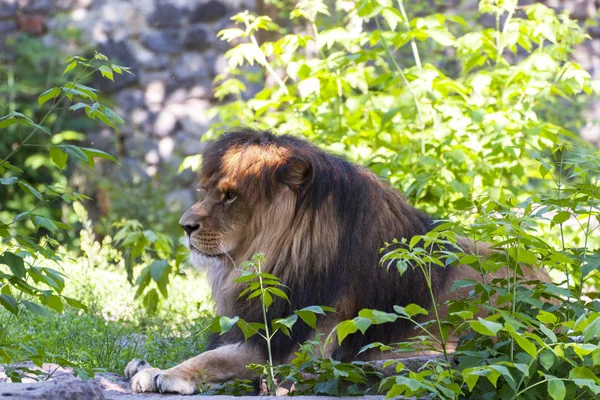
(309, 86)
(414, 309)
(226, 323)
(9, 302)
(49, 94)
(75, 303)
(28, 188)
(362, 324)
(112, 116)
(522, 255)
(36, 308)
(54, 302)
(308, 317)
(59, 157)
(107, 72)
(592, 330)
(344, 329)
(287, 322)
(278, 292)
(91, 153)
(42, 222)
(14, 262)
(75, 152)
(584, 377)
(150, 301)
(561, 217)
(556, 389)
(70, 67)
(485, 327)
(18, 118)
(547, 359)
(158, 268)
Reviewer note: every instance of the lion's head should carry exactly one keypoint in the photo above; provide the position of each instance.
(249, 183)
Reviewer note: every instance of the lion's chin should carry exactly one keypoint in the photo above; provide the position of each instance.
(202, 261)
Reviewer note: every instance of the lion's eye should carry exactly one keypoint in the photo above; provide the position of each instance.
(229, 196)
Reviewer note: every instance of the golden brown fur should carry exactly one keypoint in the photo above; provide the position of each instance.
(320, 222)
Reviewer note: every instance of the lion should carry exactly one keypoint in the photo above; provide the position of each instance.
(320, 222)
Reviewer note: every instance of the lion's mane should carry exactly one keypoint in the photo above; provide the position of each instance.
(320, 221)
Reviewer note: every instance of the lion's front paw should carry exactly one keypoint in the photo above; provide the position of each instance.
(143, 376)
(171, 382)
(134, 366)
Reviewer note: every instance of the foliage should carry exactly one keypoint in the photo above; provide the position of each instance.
(265, 287)
(115, 327)
(483, 145)
(31, 247)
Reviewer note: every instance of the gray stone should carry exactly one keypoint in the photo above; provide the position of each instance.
(129, 99)
(138, 146)
(39, 6)
(193, 65)
(166, 15)
(8, 26)
(581, 9)
(74, 389)
(198, 38)
(163, 41)
(165, 123)
(188, 146)
(153, 61)
(8, 8)
(211, 11)
(193, 128)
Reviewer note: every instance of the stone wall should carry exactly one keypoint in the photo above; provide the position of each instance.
(173, 52)
(172, 49)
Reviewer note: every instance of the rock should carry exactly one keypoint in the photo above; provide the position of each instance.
(165, 123)
(119, 20)
(211, 11)
(129, 99)
(163, 41)
(8, 8)
(138, 146)
(581, 9)
(8, 26)
(151, 61)
(52, 390)
(119, 53)
(39, 6)
(198, 38)
(193, 65)
(187, 145)
(196, 129)
(166, 15)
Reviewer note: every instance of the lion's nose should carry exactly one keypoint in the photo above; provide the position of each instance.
(190, 228)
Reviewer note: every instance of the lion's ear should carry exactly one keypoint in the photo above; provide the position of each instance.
(295, 173)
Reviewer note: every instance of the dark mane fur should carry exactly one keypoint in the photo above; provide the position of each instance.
(367, 213)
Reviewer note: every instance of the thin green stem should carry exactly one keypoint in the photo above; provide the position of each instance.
(559, 184)
(265, 63)
(537, 384)
(587, 231)
(413, 43)
(407, 83)
(268, 338)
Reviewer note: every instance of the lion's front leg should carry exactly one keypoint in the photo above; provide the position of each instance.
(214, 366)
